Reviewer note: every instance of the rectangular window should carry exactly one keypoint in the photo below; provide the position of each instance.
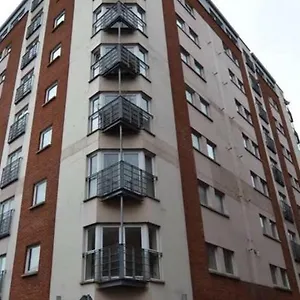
(55, 53)
(273, 228)
(219, 196)
(193, 35)
(2, 264)
(228, 261)
(204, 106)
(32, 259)
(39, 193)
(199, 68)
(239, 107)
(51, 92)
(2, 77)
(211, 253)
(189, 94)
(273, 270)
(59, 19)
(203, 193)
(180, 23)
(196, 141)
(188, 7)
(232, 76)
(254, 180)
(45, 138)
(246, 142)
(241, 86)
(185, 56)
(263, 223)
(284, 278)
(264, 186)
(211, 150)
(255, 149)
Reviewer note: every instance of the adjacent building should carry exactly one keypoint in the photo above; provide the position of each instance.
(146, 153)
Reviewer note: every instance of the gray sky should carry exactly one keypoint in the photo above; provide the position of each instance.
(268, 27)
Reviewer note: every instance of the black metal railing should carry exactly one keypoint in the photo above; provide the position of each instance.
(120, 12)
(122, 111)
(35, 4)
(278, 175)
(119, 57)
(17, 129)
(122, 262)
(287, 211)
(10, 173)
(270, 143)
(2, 277)
(123, 178)
(23, 90)
(29, 55)
(34, 26)
(263, 114)
(5, 223)
(296, 251)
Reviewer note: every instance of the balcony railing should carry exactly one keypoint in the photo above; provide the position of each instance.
(29, 55)
(119, 13)
(23, 90)
(278, 175)
(287, 212)
(263, 114)
(17, 129)
(123, 179)
(34, 26)
(121, 265)
(35, 4)
(121, 111)
(119, 58)
(296, 251)
(10, 173)
(270, 143)
(5, 223)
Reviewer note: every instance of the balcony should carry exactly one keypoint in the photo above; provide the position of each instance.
(119, 13)
(124, 179)
(287, 212)
(35, 4)
(278, 175)
(29, 56)
(256, 88)
(121, 112)
(17, 129)
(270, 143)
(296, 251)
(263, 114)
(10, 173)
(23, 90)
(123, 266)
(118, 58)
(33, 27)
(5, 223)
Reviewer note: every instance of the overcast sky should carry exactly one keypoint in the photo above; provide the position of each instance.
(270, 28)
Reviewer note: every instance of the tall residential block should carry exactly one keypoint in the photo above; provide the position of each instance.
(145, 154)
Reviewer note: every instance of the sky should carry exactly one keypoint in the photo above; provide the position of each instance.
(270, 29)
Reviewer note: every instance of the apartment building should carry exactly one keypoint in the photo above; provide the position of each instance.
(146, 153)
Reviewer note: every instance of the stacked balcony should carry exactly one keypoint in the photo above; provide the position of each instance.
(121, 112)
(10, 173)
(119, 13)
(124, 179)
(118, 58)
(278, 175)
(270, 143)
(296, 251)
(287, 212)
(122, 265)
(17, 129)
(23, 90)
(33, 26)
(5, 223)
(35, 4)
(30, 55)
(263, 114)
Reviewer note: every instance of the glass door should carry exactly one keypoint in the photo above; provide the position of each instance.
(111, 172)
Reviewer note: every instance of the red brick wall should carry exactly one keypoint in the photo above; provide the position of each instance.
(14, 39)
(37, 225)
(205, 285)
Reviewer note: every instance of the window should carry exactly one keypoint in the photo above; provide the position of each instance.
(248, 116)
(255, 149)
(282, 197)
(211, 150)
(279, 277)
(273, 228)
(228, 261)
(45, 138)
(285, 281)
(199, 69)
(14, 156)
(2, 77)
(273, 270)
(239, 107)
(189, 95)
(219, 196)
(51, 92)
(39, 194)
(203, 193)
(55, 53)
(193, 35)
(211, 253)
(185, 56)
(188, 7)
(196, 141)
(254, 180)
(246, 142)
(59, 19)
(204, 106)
(2, 263)
(264, 187)
(232, 76)
(32, 259)
(180, 23)
(263, 223)
(291, 236)
(241, 85)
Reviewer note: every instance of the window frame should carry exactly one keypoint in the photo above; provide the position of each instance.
(42, 145)
(36, 187)
(59, 19)
(53, 56)
(48, 91)
(28, 269)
